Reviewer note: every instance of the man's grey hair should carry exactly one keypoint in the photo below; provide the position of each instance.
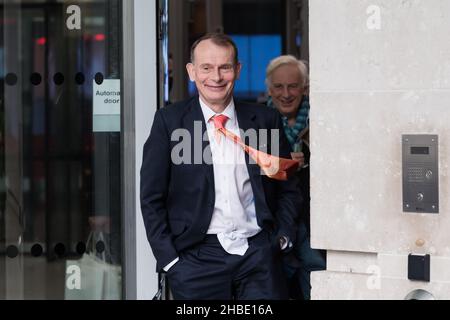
(301, 65)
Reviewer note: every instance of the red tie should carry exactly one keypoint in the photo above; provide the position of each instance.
(274, 167)
(219, 121)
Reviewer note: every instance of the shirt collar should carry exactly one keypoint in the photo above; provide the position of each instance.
(208, 113)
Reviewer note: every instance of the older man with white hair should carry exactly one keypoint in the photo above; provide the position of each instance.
(287, 82)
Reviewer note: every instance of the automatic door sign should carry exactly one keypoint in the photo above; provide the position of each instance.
(106, 108)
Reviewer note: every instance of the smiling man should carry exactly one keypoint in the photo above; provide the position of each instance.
(214, 69)
(216, 228)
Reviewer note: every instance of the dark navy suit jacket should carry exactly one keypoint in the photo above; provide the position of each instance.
(177, 200)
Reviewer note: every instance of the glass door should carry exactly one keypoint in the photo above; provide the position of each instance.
(60, 149)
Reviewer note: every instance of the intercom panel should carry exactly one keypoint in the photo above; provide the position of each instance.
(420, 173)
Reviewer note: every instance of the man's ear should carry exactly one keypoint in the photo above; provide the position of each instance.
(238, 70)
(190, 71)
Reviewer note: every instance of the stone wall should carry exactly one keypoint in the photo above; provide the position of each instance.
(379, 69)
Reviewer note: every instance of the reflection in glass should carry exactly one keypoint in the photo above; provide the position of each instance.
(59, 180)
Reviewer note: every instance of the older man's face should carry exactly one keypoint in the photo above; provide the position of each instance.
(214, 73)
(287, 89)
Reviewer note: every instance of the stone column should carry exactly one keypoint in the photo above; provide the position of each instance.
(379, 69)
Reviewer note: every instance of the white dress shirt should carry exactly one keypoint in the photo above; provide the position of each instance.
(234, 215)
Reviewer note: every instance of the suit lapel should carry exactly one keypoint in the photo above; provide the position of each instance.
(194, 119)
(247, 120)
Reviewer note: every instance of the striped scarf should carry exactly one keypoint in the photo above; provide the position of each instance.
(301, 123)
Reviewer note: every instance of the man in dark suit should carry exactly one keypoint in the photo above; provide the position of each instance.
(214, 223)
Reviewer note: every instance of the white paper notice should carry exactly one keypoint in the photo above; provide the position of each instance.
(106, 106)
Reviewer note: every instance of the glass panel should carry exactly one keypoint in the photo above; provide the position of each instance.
(255, 51)
(60, 150)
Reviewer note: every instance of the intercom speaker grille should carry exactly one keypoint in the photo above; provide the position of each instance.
(416, 174)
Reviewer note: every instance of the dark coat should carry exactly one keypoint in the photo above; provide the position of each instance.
(177, 201)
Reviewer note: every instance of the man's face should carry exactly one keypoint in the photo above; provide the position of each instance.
(214, 73)
(287, 89)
